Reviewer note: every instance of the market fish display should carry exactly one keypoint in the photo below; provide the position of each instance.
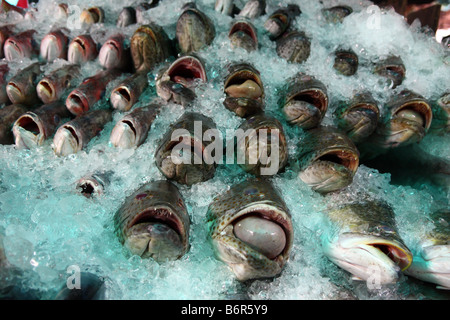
(432, 261)
(280, 20)
(189, 163)
(327, 159)
(153, 222)
(74, 135)
(32, 128)
(364, 241)
(132, 129)
(53, 85)
(346, 62)
(251, 229)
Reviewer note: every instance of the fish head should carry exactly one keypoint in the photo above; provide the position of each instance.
(294, 46)
(251, 230)
(53, 46)
(305, 101)
(224, 6)
(194, 29)
(19, 46)
(126, 17)
(82, 49)
(77, 102)
(154, 223)
(393, 69)
(92, 15)
(28, 131)
(244, 90)
(243, 35)
(66, 141)
(336, 14)
(277, 23)
(22, 87)
(146, 48)
(112, 52)
(345, 62)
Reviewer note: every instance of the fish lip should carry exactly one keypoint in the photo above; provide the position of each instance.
(421, 107)
(89, 186)
(118, 137)
(22, 123)
(51, 47)
(110, 54)
(242, 73)
(77, 103)
(268, 211)
(14, 92)
(46, 91)
(314, 96)
(81, 49)
(346, 154)
(121, 98)
(66, 141)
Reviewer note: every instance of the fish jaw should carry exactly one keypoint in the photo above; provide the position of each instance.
(14, 93)
(364, 258)
(402, 133)
(65, 143)
(123, 135)
(432, 265)
(325, 176)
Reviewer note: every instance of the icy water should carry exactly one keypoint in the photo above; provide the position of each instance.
(48, 226)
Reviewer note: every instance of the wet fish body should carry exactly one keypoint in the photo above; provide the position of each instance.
(52, 86)
(21, 88)
(32, 128)
(127, 93)
(365, 242)
(8, 115)
(251, 229)
(74, 135)
(153, 222)
(132, 129)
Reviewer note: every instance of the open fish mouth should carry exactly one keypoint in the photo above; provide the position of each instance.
(14, 92)
(245, 28)
(92, 15)
(77, 103)
(110, 54)
(66, 141)
(45, 90)
(307, 108)
(156, 232)
(186, 70)
(362, 121)
(82, 49)
(28, 131)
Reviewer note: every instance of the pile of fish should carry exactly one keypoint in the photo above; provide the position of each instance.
(141, 70)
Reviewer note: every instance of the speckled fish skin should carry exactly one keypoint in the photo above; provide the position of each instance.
(8, 115)
(323, 148)
(294, 46)
(243, 35)
(149, 46)
(155, 202)
(251, 196)
(192, 172)
(358, 117)
(133, 128)
(346, 62)
(4, 69)
(432, 261)
(391, 68)
(114, 54)
(258, 122)
(394, 131)
(54, 46)
(177, 82)
(441, 115)
(74, 135)
(82, 48)
(336, 14)
(21, 45)
(194, 29)
(53, 85)
(243, 106)
(33, 127)
(127, 93)
(91, 90)
(21, 88)
(303, 87)
(359, 232)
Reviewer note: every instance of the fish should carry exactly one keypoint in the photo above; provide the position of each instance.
(441, 115)
(94, 184)
(178, 81)
(189, 167)
(153, 222)
(92, 287)
(74, 135)
(294, 46)
(194, 29)
(149, 46)
(363, 240)
(359, 117)
(250, 229)
(263, 154)
(4, 69)
(253, 9)
(54, 46)
(53, 85)
(226, 7)
(21, 45)
(21, 88)
(5, 33)
(304, 101)
(143, 7)
(91, 90)
(431, 262)
(82, 49)
(336, 14)
(91, 16)
(32, 128)
(280, 20)
(327, 159)
(406, 119)
(244, 89)
(126, 17)
(132, 129)
(243, 35)
(345, 62)
(8, 115)
(127, 93)
(392, 68)
(114, 54)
